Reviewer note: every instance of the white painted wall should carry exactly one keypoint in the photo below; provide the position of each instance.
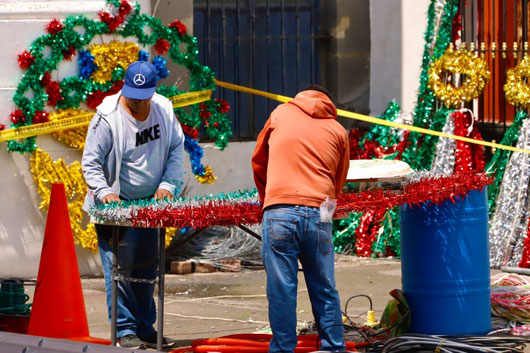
(21, 222)
(397, 28)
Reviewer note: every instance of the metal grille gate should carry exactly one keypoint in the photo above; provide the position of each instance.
(497, 30)
(269, 45)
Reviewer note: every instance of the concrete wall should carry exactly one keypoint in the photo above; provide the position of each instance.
(396, 52)
(168, 11)
(21, 222)
(345, 54)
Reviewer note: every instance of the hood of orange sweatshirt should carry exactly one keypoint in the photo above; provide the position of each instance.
(316, 104)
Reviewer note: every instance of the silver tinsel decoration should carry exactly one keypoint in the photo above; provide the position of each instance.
(444, 157)
(125, 213)
(508, 225)
(438, 13)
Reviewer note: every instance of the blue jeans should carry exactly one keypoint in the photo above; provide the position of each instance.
(136, 306)
(292, 232)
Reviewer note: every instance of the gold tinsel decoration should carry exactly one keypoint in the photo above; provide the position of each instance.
(473, 69)
(516, 88)
(208, 177)
(45, 172)
(72, 137)
(108, 56)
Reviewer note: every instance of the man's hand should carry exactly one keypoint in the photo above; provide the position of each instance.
(163, 193)
(111, 198)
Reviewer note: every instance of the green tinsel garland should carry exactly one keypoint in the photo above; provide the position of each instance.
(344, 232)
(390, 238)
(76, 33)
(386, 136)
(416, 155)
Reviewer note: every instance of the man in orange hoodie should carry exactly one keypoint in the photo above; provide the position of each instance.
(300, 164)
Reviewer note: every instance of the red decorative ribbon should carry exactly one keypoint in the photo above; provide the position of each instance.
(373, 202)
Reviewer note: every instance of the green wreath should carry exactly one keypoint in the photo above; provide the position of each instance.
(37, 94)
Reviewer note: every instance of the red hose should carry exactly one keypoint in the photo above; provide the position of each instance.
(249, 343)
(255, 343)
(244, 349)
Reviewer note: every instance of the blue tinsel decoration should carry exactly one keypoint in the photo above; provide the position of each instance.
(86, 63)
(143, 56)
(161, 69)
(195, 151)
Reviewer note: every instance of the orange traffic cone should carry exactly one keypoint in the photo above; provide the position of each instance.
(58, 305)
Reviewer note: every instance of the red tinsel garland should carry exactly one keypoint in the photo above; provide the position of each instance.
(468, 157)
(456, 30)
(367, 231)
(211, 213)
(525, 259)
(436, 190)
(179, 26)
(223, 106)
(477, 151)
(67, 54)
(55, 26)
(96, 97)
(41, 116)
(373, 149)
(25, 60)
(53, 90)
(161, 46)
(17, 117)
(113, 21)
(191, 132)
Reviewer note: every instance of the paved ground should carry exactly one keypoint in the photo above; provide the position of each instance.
(204, 305)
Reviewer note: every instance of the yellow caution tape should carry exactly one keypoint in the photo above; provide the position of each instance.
(83, 119)
(46, 128)
(184, 99)
(373, 120)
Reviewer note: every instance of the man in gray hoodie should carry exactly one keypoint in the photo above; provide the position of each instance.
(134, 149)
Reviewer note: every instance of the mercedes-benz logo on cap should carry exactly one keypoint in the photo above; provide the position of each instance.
(139, 79)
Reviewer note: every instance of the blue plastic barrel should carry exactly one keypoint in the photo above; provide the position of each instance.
(445, 266)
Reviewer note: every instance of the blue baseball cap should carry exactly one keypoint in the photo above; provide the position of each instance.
(140, 81)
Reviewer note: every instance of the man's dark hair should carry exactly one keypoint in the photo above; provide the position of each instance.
(320, 89)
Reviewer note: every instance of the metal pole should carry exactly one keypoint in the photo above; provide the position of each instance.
(161, 271)
(114, 291)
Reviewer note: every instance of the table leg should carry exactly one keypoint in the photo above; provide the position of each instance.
(161, 272)
(114, 294)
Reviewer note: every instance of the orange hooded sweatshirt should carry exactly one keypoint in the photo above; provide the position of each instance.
(302, 154)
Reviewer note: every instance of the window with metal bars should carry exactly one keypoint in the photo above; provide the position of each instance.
(270, 45)
(497, 30)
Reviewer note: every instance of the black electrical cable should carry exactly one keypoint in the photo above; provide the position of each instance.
(353, 297)
(451, 344)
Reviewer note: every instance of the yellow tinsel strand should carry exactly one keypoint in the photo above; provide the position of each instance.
(170, 233)
(108, 56)
(516, 89)
(208, 177)
(45, 172)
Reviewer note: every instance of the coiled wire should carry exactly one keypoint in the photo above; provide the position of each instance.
(446, 344)
(13, 299)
